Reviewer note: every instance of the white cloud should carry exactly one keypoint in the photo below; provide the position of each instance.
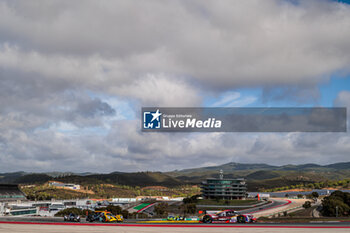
(343, 99)
(226, 99)
(161, 90)
(233, 99)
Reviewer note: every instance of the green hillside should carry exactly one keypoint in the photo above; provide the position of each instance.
(259, 176)
(131, 179)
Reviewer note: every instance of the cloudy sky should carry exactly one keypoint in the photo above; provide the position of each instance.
(75, 74)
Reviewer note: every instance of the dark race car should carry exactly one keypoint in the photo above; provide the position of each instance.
(94, 217)
(227, 216)
(72, 218)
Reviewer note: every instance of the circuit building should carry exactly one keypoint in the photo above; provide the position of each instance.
(11, 192)
(227, 189)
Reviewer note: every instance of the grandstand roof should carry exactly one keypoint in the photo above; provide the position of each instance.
(11, 192)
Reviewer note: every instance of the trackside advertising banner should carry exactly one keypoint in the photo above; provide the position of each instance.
(159, 119)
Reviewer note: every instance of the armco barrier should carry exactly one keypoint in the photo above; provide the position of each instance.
(283, 211)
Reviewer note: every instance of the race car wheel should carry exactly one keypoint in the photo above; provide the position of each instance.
(240, 219)
(207, 219)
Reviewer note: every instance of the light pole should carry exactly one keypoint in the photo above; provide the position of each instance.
(336, 211)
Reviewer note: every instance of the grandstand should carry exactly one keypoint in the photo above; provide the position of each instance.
(141, 206)
(11, 192)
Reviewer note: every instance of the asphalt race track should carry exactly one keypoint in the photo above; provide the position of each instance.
(60, 219)
(274, 204)
(30, 227)
(56, 224)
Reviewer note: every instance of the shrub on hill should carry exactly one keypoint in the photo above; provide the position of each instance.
(307, 204)
(337, 200)
(72, 210)
(193, 199)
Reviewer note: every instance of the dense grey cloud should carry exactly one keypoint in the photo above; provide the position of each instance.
(65, 67)
(223, 44)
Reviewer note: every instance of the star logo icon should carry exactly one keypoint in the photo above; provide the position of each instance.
(151, 119)
(156, 115)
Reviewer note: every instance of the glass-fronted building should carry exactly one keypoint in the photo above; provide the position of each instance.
(220, 188)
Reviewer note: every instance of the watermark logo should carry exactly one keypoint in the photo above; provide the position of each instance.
(163, 119)
(152, 120)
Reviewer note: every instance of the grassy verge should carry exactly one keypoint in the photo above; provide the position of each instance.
(303, 212)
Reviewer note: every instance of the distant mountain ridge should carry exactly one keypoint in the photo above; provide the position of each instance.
(262, 175)
(228, 167)
(121, 178)
(258, 175)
